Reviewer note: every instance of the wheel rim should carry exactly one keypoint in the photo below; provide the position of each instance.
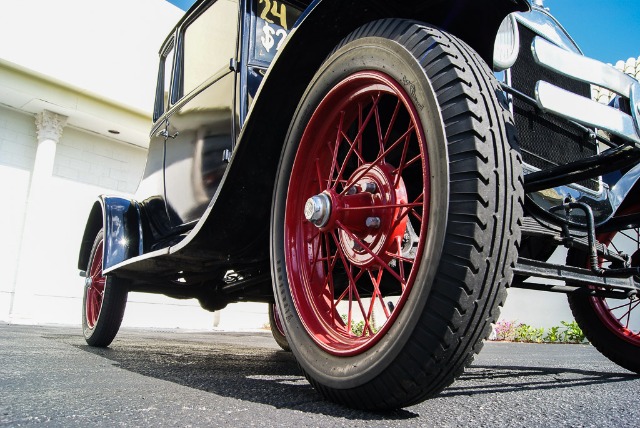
(621, 317)
(357, 212)
(94, 288)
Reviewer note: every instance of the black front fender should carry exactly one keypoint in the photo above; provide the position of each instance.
(239, 217)
(121, 220)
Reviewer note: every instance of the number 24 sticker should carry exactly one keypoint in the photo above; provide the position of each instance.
(271, 9)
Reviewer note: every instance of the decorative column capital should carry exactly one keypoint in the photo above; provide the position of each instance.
(49, 126)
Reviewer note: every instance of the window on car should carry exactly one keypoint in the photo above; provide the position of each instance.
(164, 80)
(273, 22)
(209, 42)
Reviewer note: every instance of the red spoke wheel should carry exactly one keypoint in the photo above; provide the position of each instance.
(358, 222)
(104, 300)
(395, 218)
(277, 330)
(612, 325)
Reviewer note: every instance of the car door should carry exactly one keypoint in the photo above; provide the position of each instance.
(199, 133)
(150, 192)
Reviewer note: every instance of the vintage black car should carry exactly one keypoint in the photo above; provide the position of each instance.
(379, 174)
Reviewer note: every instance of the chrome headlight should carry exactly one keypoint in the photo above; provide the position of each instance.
(507, 44)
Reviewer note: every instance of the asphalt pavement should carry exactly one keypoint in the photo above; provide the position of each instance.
(48, 376)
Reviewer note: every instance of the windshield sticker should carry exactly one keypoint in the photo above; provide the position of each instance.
(273, 22)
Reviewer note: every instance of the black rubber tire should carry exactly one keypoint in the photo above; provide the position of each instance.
(623, 352)
(472, 245)
(114, 300)
(277, 329)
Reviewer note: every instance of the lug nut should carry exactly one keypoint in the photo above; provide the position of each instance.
(371, 187)
(373, 222)
(317, 209)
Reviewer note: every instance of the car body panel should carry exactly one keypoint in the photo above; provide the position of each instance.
(219, 212)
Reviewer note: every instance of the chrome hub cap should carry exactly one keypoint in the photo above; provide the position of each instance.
(317, 210)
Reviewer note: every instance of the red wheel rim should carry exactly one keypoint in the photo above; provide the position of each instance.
(621, 317)
(94, 288)
(363, 155)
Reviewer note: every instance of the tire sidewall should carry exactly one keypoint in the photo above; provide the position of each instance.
(391, 58)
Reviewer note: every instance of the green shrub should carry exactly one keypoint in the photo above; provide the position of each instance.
(573, 333)
(568, 332)
(554, 335)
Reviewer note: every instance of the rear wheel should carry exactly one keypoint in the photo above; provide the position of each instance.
(612, 325)
(104, 300)
(396, 211)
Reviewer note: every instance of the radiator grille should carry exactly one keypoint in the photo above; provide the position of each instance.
(545, 140)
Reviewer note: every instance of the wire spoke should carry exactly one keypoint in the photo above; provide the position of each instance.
(358, 138)
(362, 173)
(400, 258)
(381, 207)
(379, 129)
(632, 238)
(347, 268)
(336, 148)
(358, 152)
(371, 253)
(411, 210)
(619, 307)
(316, 256)
(392, 122)
(401, 167)
(413, 160)
(376, 283)
(330, 268)
(627, 314)
(416, 215)
(321, 187)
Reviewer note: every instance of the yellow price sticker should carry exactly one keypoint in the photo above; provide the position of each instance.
(272, 10)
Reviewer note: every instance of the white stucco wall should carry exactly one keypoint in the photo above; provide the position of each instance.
(17, 153)
(538, 308)
(107, 47)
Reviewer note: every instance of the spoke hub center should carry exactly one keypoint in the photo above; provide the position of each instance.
(369, 223)
(317, 210)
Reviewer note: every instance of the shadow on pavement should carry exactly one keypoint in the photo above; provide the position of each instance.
(251, 372)
(479, 379)
(242, 372)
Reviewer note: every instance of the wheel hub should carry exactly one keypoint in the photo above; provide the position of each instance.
(318, 209)
(364, 214)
